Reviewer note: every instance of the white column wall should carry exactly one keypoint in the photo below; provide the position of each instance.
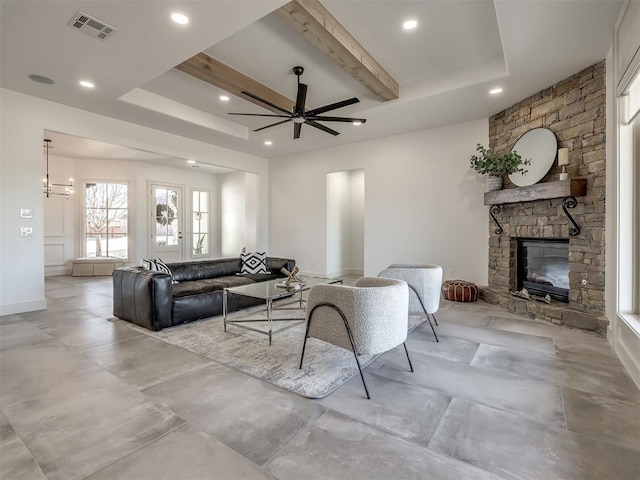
(623, 61)
(423, 202)
(338, 238)
(23, 121)
(356, 222)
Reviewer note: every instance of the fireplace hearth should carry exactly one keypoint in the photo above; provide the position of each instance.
(543, 267)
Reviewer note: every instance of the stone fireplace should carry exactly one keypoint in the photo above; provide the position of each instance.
(574, 109)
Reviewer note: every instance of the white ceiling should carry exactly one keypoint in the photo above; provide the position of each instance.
(78, 148)
(445, 67)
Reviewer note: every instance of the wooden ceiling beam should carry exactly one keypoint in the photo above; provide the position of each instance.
(212, 71)
(315, 23)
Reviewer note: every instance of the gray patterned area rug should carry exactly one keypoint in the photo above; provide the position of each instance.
(325, 368)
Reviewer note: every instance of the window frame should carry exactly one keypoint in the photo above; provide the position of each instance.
(82, 199)
(192, 228)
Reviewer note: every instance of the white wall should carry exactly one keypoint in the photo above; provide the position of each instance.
(58, 218)
(423, 202)
(337, 223)
(345, 223)
(23, 121)
(239, 212)
(356, 221)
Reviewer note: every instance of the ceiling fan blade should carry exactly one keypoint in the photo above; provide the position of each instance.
(260, 115)
(302, 97)
(333, 106)
(321, 127)
(266, 102)
(336, 119)
(296, 130)
(272, 125)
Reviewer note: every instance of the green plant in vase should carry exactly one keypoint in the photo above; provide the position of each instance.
(488, 162)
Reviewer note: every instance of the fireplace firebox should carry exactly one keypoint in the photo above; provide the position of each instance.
(543, 267)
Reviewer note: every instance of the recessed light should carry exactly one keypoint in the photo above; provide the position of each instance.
(410, 24)
(357, 122)
(268, 142)
(224, 98)
(191, 161)
(41, 79)
(87, 84)
(495, 91)
(179, 18)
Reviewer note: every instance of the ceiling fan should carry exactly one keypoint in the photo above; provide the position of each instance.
(299, 115)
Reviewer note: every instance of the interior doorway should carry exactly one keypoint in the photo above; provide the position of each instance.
(345, 222)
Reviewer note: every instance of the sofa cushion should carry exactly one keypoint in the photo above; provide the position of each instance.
(261, 277)
(201, 270)
(197, 287)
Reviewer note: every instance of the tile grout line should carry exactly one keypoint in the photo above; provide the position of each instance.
(564, 410)
(293, 437)
(24, 443)
(139, 447)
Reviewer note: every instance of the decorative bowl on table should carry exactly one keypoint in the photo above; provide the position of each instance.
(290, 285)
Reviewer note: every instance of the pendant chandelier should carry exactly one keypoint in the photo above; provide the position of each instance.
(48, 187)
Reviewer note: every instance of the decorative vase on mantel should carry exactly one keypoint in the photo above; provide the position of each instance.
(494, 182)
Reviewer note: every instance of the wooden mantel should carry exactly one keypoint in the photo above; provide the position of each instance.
(574, 187)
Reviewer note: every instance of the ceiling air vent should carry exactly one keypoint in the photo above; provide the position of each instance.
(91, 26)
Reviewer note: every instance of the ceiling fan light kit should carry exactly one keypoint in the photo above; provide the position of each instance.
(300, 116)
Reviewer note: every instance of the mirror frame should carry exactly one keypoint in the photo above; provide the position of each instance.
(542, 157)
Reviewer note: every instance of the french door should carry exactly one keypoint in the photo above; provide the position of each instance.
(166, 222)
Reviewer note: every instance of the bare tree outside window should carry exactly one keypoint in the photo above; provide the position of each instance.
(106, 219)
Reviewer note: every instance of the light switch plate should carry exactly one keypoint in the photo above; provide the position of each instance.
(26, 231)
(26, 213)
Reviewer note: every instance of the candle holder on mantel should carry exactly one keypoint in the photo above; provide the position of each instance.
(563, 161)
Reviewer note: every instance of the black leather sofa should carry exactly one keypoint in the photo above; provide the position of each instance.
(150, 299)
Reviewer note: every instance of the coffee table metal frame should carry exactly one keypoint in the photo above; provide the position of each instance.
(268, 292)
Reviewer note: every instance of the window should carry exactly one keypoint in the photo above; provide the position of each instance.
(106, 215)
(200, 222)
(629, 199)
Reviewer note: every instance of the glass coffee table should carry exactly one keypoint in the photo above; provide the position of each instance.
(268, 291)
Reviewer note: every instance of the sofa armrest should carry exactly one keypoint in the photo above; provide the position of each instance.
(142, 297)
(274, 264)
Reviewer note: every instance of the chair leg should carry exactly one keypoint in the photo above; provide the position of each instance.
(353, 346)
(434, 319)
(425, 312)
(433, 329)
(366, 390)
(407, 352)
(304, 345)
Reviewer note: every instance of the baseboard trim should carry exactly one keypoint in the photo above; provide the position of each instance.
(57, 270)
(630, 363)
(626, 345)
(22, 307)
(340, 273)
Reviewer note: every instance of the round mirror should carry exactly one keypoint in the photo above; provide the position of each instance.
(540, 146)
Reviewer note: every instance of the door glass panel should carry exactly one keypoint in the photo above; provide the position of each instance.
(167, 230)
(200, 222)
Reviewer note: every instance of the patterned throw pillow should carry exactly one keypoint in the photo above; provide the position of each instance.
(162, 267)
(159, 266)
(254, 262)
(147, 264)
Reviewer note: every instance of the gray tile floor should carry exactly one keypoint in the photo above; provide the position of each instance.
(498, 398)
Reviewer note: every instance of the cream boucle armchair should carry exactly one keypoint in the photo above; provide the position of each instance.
(424, 281)
(368, 318)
